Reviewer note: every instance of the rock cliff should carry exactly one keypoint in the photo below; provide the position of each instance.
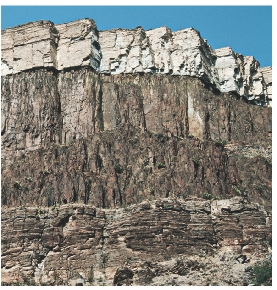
(163, 242)
(132, 157)
(117, 51)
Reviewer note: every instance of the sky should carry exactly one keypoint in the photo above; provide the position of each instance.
(247, 29)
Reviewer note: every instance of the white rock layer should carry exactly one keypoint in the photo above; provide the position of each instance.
(41, 44)
(77, 44)
(158, 51)
(28, 46)
(117, 51)
(241, 74)
(267, 75)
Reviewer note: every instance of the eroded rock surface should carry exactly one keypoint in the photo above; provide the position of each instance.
(124, 164)
(157, 51)
(43, 44)
(28, 46)
(117, 51)
(163, 242)
(267, 74)
(67, 106)
(165, 133)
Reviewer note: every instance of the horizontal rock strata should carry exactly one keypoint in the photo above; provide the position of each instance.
(138, 245)
(267, 75)
(42, 44)
(117, 51)
(132, 157)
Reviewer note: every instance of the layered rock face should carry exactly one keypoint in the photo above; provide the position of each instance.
(164, 242)
(42, 44)
(157, 51)
(267, 75)
(165, 132)
(124, 164)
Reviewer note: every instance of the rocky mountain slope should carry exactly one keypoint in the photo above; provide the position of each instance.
(132, 157)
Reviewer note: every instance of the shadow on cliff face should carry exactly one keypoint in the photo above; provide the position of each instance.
(123, 277)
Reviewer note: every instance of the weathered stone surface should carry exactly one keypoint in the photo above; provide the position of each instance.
(78, 44)
(71, 105)
(158, 51)
(66, 147)
(28, 46)
(64, 245)
(241, 74)
(41, 44)
(117, 51)
(142, 175)
(267, 75)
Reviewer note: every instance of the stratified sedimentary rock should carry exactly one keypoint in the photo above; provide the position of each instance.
(151, 243)
(78, 44)
(132, 157)
(29, 46)
(118, 51)
(267, 75)
(157, 51)
(41, 44)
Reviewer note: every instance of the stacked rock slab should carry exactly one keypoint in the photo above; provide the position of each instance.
(241, 74)
(42, 44)
(78, 44)
(157, 51)
(267, 75)
(182, 53)
(80, 244)
(28, 46)
(122, 51)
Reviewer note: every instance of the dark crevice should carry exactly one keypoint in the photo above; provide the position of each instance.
(64, 221)
(100, 117)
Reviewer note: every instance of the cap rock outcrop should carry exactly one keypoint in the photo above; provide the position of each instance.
(117, 51)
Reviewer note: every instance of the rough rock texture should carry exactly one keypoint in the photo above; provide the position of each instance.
(78, 44)
(144, 174)
(117, 51)
(158, 51)
(71, 105)
(164, 242)
(42, 44)
(267, 74)
(242, 74)
(88, 120)
(148, 167)
(28, 46)
(182, 53)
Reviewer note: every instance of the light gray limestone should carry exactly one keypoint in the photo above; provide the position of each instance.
(77, 44)
(267, 75)
(28, 46)
(241, 74)
(157, 51)
(124, 51)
